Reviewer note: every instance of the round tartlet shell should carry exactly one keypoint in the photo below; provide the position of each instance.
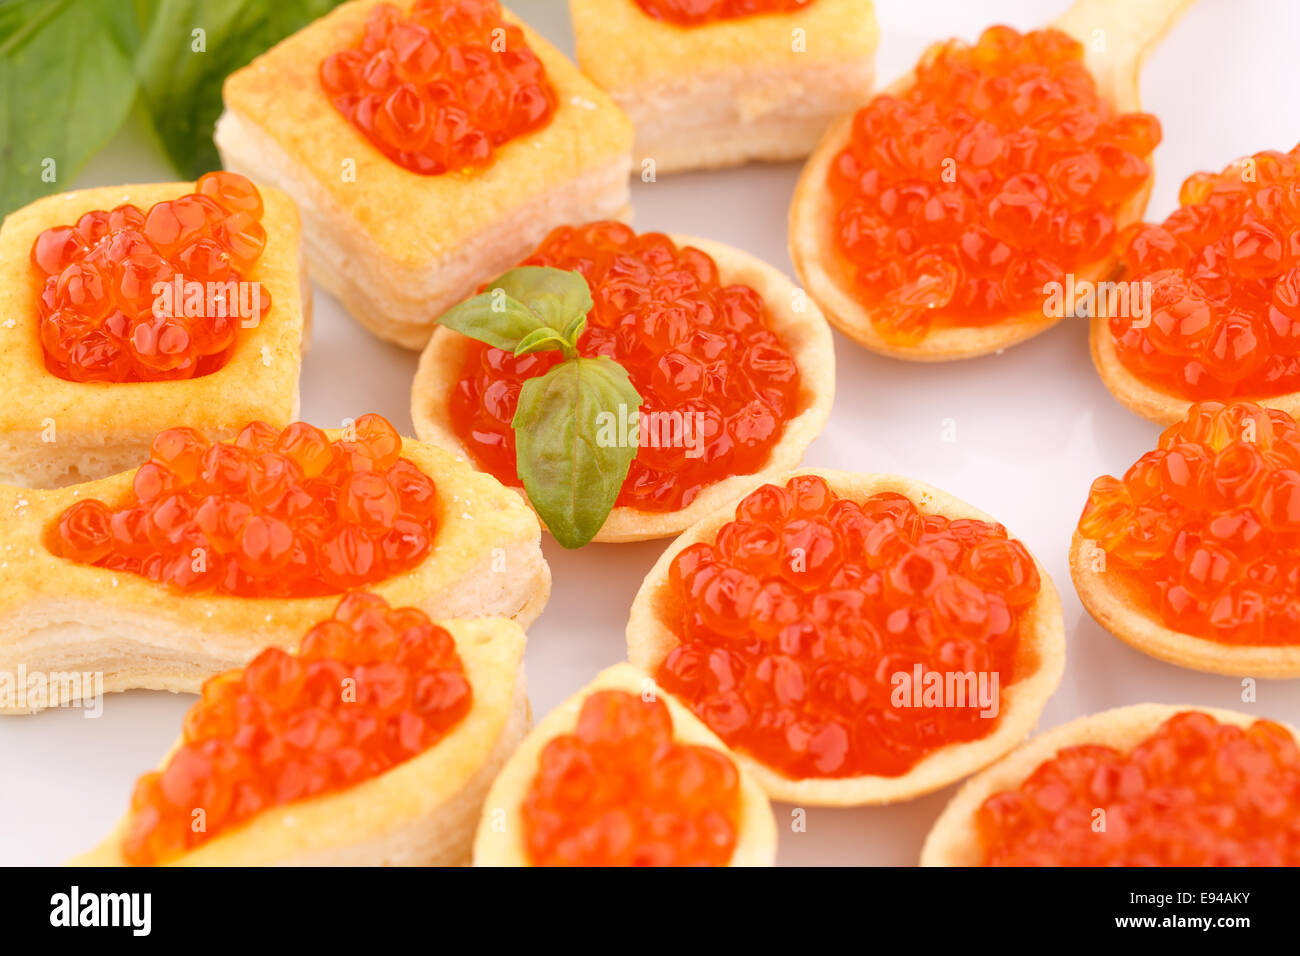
(1041, 659)
(1116, 602)
(805, 334)
(954, 841)
(499, 841)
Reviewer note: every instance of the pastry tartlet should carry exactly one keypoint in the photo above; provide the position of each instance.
(807, 626)
(726, 83)
(928, 224)
(1193, 556)
(618, 775)
(191, 564)
(450, 140)
(1223, 317)
(707, 334)
(97, 351)
(373, 744)
(1147, 785)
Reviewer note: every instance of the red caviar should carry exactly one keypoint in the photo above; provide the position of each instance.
(370, 688)
(999, 170)
(104, 314)
(619, 791)
(717, 383)
(692, 13)
(797, 621)
(442, 87)
(1194, 793)
(272, 514)
(1208, 524)
(1224, 274)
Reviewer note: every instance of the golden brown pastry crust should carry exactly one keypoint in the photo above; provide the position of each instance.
(99, 428)
(1039, 665)
(500, 840)
(954, 841)
(420, 813)
(805, 334)
(754, 88)
(398, 248)
(1116, 602)
(59, 616)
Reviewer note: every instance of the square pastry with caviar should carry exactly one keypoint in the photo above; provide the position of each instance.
(125, 310)
(710, 83)
(429, 147)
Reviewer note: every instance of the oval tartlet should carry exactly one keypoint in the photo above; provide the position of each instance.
(812, 211)
(500, 840)
(954, 840)
(804, 332)
(420, 812)
(1040, 659)
(60, 616)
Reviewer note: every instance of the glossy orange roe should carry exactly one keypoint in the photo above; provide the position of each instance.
(999, 170)
(618, 791)
(692, 13)
(1208, 524)
(369, 689)
(1194, 793)
(795, 620)
(442, 87)
(272, 514)
(700, 354)
(1224, 270)
(103, 317)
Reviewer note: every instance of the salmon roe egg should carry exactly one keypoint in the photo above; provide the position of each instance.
(1224, 278)
(1196, 792)
(692, 13)
(619, 791)
(441, 88)
(1208, 524)
(272, 514)
(718, 384)
(129, 295)
(802, 619)
(370, 688)
(1001, 168)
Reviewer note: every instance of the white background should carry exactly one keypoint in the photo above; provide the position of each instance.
(1033, 427)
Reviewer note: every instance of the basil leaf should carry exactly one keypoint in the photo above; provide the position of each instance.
(525, 309)
(181, 86)
(494, 318)
(66, 87)
(567, 427)
(540, 340)
(557, 296)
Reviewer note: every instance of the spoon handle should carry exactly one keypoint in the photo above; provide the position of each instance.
(1116, 36)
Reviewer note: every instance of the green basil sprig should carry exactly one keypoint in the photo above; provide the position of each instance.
(572, 477)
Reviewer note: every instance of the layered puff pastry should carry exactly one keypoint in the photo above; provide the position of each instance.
(724, 92)
(1039, 656)
(55, 432)
(792, 316)
(503, 837)
(60, 618)
(420, 812)
(396, 247)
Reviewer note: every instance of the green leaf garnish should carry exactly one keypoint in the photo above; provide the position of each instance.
(566, 457)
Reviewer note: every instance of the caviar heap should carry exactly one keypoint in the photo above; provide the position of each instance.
(619, 792)
(691, 13)
(1224, 274)
(1208, 524)
(805, 614)
(1194, 793)
(1000, 169)
(272, 514)
(434, 91)
(102, 317)
(369, 689)
(718, 384)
